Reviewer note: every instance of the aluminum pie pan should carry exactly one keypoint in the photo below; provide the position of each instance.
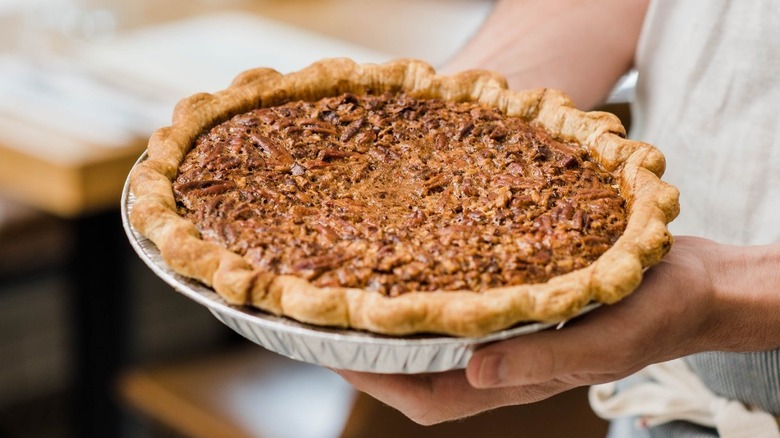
(330, 347)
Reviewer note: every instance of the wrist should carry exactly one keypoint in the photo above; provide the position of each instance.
(745, 282)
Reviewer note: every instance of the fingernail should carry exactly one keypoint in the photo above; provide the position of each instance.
(492, 370)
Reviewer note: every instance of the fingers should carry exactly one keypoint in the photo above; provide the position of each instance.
(598, 348)
(424, 398)
(521, 370)
(433, 398)
(412, 395)
(521, 361)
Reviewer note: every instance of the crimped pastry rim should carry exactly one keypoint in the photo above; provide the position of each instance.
(637, 166)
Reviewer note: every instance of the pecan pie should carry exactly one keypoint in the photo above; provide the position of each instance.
(390, 199)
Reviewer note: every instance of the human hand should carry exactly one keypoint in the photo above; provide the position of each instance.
(672, 314)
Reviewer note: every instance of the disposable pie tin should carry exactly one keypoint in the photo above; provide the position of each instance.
(334, 348)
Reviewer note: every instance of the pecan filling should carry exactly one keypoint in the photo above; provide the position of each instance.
(395, 194)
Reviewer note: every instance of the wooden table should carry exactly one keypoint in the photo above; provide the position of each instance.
(81, 179)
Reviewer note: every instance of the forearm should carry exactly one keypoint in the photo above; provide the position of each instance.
(579, 46)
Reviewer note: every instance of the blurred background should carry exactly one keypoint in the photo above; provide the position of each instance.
(91, 342)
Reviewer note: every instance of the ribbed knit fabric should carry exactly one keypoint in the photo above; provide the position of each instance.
(708, 95)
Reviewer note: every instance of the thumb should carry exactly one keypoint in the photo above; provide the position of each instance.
(572, 354)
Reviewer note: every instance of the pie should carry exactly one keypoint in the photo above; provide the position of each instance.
(388, 198)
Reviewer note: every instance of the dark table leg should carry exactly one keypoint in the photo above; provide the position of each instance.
(99, 290)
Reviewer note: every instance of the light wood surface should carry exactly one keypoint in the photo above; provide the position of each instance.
(241, 392)
(61, 175)
(70, 176)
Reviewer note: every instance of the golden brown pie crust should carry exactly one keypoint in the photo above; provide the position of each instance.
(636, 166)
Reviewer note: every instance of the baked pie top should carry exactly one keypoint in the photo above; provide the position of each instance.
(395, 194)
(386, 198)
